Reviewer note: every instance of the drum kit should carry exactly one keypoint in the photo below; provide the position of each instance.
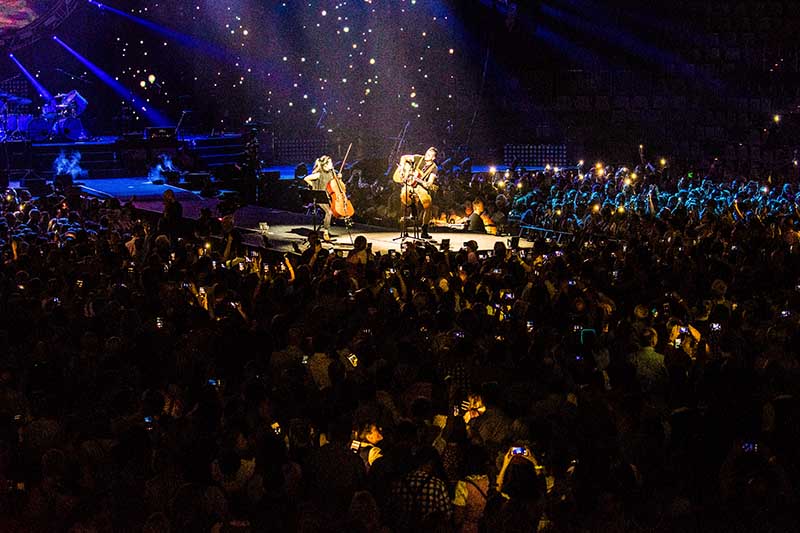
(58, 121)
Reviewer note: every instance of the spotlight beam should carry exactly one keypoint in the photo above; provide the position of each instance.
(631, 45)
(140, 105)
(44, 93)
(188, 40)
(180, 37)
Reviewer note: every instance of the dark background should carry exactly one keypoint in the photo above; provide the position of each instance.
(691, 80)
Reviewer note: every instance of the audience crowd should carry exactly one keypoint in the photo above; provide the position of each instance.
(635, 368)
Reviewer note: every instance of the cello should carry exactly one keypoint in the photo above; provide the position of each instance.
(340, 205)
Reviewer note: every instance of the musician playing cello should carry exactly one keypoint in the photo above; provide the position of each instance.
(322, 174)
(418, 174)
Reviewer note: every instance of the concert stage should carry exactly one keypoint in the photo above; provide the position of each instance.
(122, 167)
(286, 228)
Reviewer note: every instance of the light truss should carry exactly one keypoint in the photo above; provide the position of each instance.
(44, 26)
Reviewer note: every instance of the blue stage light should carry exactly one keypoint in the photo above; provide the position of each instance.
(156, 118)
(43, 92)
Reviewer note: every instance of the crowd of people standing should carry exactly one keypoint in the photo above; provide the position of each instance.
(632, 367)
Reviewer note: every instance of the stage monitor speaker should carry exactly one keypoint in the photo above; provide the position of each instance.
(173, 177)
(196, 180)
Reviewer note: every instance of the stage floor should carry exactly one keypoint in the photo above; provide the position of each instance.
(286, 228)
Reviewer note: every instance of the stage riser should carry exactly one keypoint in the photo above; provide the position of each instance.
(111, 157)
(95, 160)
(222, 159)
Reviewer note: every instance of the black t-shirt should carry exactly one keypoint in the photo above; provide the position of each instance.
(425, 172)
(171, 218)
(476, 223)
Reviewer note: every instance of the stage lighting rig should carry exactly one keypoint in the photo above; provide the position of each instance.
(41, 22)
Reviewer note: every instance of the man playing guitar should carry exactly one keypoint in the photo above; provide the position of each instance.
(418, 173)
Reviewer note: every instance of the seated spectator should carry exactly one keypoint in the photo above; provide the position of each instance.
(476, 223)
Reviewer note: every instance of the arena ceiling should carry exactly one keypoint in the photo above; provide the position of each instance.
(23, 22)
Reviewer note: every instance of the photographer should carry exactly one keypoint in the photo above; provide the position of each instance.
(518, 502)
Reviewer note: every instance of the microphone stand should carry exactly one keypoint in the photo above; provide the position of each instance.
(74, 77)
(180, 123)
(406, 195)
